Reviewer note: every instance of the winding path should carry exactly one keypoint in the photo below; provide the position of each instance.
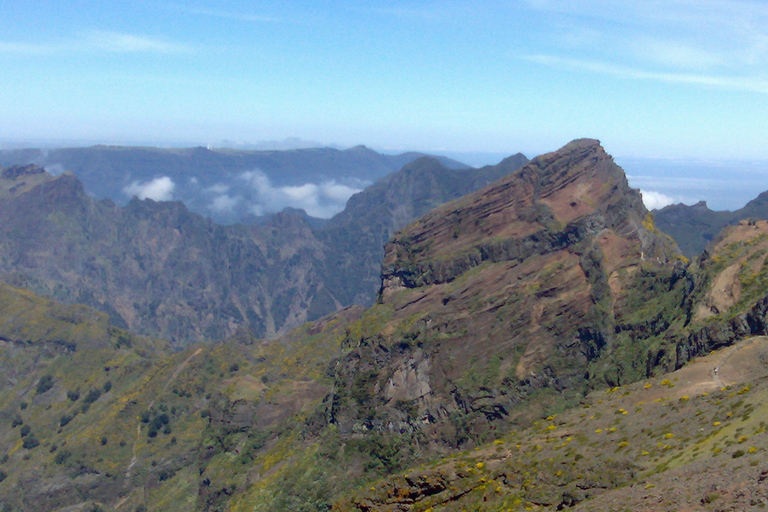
(134, 459)
(747, 354)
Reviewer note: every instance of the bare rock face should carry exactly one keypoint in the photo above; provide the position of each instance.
(159, 269)
(555, 202)
(514, 288)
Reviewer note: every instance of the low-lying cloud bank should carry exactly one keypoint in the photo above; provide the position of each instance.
(158, 189)
(252, 192)
(249, 193)
(322, 200)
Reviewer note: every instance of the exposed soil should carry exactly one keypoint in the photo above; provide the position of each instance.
(742, 362)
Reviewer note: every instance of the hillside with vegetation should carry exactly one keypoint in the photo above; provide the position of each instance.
(161, 270)
(694, 227)
(536, 345)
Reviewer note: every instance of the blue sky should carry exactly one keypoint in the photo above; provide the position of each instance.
(672, 79)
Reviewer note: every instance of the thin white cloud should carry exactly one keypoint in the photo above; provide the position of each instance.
(301, 194)
(338, 192)
(55, 169)
(97, 41)
(753, 84)
(655, 200)
(116, 42)
(676, 54)
(218, 188)
(437, 12)
(158, 189)
(235, 15)
(225, 203)
(721, 13)
(703, 42)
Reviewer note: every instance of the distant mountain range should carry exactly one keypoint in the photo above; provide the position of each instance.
(536, 344)
(160, 270)
(228, 185)
(694, 227)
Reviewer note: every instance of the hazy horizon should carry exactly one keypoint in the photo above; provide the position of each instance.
(725, 184)
(674, 79)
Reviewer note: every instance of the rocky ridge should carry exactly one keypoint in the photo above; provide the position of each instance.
(161, 270)
(506, 292)
(491, 351)
(201, 174)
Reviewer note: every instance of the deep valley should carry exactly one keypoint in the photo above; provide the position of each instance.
(524, 336)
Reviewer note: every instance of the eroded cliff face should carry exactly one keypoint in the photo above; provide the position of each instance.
(155, 267)
(512, 289)
(555, 202)
(729, 300)
(161, 270)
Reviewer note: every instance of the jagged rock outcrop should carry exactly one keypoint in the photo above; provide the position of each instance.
(730, 302)
(199, 174)
(511, 289)
(161, 270)
(375, 214)
(155, 267)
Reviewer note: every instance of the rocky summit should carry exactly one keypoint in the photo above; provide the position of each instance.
(535, 345)
(513, 289)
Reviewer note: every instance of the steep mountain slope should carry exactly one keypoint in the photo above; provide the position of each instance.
(688, 440)
(678, 442)
(60, 365)
(693, 227)
(156, 268)
(161, 270)
(375, 214)
(510, 292)
(498, 313)
(199, 175)
(95, 418)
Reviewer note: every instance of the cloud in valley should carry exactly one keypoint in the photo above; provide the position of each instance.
(55, 169)
(222, 201)
(158, 189)
(655, 200)
(322, 200)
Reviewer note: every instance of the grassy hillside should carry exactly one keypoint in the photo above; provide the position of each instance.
(692, 440)
(518, 358)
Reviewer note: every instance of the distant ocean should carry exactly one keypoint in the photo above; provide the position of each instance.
(723, 184)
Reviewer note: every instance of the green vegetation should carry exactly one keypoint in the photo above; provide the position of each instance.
(480, 385)
(584, 453)
(44, 384)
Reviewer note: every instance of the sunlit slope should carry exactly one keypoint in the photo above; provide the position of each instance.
(483, 378)
(668, 443)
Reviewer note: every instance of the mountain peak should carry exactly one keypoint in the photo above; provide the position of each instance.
(360, 148)
(17, 179)
(16, 171)
(556, 201)
(701, 205)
